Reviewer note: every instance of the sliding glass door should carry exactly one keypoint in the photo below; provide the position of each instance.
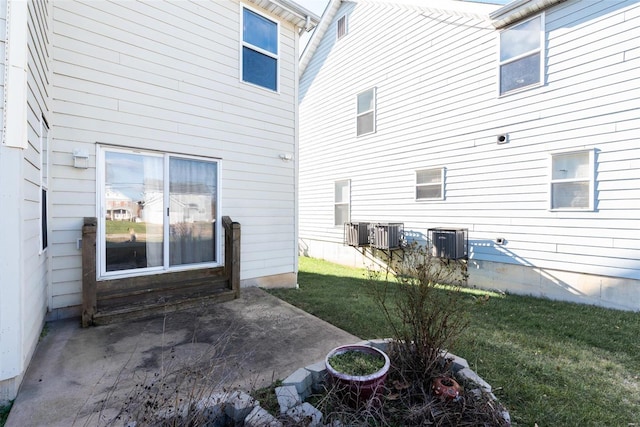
(159, 211)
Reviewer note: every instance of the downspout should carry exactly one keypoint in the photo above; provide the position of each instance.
(307, 22)
(296, 145)
(15, 71)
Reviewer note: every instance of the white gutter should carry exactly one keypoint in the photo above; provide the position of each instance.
(15, 72)
(519, 10)
(309, 18)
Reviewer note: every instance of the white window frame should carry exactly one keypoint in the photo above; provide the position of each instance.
(101, 270)
(590, 179)
(373, 110)
(346, 27)
(45, 172)
(341, 203)
(258, 49)
(540, 51)
(440, 184)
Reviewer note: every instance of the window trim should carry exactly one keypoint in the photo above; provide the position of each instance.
(374, 110)
(540, 50)
(101, 267)
(248, 45)
(336, 203)
(44, 184)
(441, 184)
(590, 179)
(346, 27)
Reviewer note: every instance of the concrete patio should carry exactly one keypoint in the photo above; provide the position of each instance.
(81, 377)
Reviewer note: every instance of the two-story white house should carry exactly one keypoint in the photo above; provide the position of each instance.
(518, 123)
(157, 118)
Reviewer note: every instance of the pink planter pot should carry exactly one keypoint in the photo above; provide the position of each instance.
(364, 387)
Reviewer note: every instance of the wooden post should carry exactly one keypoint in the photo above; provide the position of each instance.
(89, 299)
(232, 253)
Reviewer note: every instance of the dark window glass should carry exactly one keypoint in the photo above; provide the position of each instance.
(259, 69)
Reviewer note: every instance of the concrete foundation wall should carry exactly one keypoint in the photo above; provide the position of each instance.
(603, 291)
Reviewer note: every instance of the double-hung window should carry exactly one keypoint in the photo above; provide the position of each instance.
(342, 201)
(572, 180)
(430, 184)
(366, 114)
(44, 183)
(158, 211)
(521, 55)
(259, 50)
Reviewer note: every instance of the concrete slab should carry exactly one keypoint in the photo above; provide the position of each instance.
(83, 377)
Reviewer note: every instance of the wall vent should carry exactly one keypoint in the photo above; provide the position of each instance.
(449, 243)
(356, 234)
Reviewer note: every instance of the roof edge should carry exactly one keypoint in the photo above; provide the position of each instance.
(519, 10)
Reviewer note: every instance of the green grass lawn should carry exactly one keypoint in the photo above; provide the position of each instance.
(550, 363)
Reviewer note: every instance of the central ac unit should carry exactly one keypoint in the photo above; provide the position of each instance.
(356, 234)
(386, 235)
(449, 243)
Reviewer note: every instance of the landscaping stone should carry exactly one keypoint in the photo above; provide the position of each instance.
(259, 417)
(302, 380)
(288, 398)
(213, 409)
(307, 413)
(458, 362)
(466, 374)
(318, 375)
(380, 344)
(239, 405)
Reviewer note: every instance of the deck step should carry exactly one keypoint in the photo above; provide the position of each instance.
(147, 308)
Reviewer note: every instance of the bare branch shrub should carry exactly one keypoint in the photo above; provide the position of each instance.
(424, 311)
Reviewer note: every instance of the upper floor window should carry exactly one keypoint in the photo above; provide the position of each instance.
(342, 27)
(259, 50)
(366, 117)
(521, 60)
(430, 184)
(342, 197)
(572, 180)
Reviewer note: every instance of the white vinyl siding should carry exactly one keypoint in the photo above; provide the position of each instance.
(521, 55)
(437, 105)
(163, 76)
(430, 184)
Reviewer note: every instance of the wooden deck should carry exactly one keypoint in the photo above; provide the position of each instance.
(113, 300)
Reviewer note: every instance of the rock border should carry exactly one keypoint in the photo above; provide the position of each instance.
(298, 386)
(242, 409)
